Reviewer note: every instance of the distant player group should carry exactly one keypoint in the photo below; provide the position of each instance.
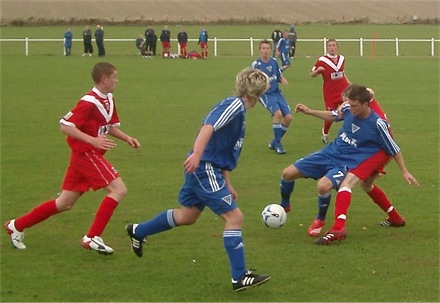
(362, 148)
(147, 44)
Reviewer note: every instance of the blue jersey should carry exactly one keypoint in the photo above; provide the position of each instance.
(358, 139)
(228, 119)
(272, 70)
(284, 45)
(203, 36)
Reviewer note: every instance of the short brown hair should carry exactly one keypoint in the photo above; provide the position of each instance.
(102, 69)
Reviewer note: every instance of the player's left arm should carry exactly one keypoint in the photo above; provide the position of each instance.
(117, 133)
(391, 147)
(406, 174)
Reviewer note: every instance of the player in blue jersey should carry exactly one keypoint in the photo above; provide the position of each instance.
(362, 135)
(203, 43)
(215, 153)
(368, 171)
(283, 51)
(273, 100)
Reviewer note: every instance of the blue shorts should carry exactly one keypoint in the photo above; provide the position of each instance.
(316, 166)
(275, 101)
(285, 59)
(206, 187)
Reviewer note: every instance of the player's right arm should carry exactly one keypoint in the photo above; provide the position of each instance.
(192, 162)
(100, 142)
(316, 71)
(322, 114)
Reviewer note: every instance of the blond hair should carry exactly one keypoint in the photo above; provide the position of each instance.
(251, 83)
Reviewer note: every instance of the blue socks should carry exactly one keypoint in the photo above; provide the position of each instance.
(162, 222)
(233, 242)
(286, 189)
(323, 204)
(278, 131)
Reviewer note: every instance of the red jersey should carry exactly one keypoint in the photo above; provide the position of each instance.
(334, 78)
(93, 115)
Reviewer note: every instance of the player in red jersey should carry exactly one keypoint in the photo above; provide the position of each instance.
(367, 172)
(86, 126)
(331, 68)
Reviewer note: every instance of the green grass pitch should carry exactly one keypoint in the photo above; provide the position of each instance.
(162, 103)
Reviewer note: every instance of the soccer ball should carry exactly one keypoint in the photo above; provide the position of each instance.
(274, 216)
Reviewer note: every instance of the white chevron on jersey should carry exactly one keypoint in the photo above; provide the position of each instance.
(92, 99)
(330, 63)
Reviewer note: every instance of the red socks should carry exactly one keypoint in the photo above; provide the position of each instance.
(343, 200)
(382, 201)
(326, 128)
(102, 217)
(36, 215)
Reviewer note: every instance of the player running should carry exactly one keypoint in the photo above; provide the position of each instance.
(273, 100)
(331, 68)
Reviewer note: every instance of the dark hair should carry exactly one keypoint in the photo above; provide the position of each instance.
(357, 92)
(265, 41)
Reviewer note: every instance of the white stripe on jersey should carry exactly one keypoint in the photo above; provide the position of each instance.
(382, 126)
(211, 176)
(331, 64)
(100, 107)
(229, 112)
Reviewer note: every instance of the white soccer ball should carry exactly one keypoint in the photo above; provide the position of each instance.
(274, 216)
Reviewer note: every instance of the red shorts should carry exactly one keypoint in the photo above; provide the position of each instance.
(88, 170)
(203, 45)
(182, 44)
(166, 44)
(375, 164)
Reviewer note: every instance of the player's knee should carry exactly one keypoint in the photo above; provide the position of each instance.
(324, 186)
(287, 119)
(366, 186)
(290, 173)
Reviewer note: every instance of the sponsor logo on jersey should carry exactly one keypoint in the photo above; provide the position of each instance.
(348, 140)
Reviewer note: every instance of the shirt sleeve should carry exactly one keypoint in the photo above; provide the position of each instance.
(388, 143)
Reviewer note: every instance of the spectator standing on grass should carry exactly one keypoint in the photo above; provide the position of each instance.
(150, 41)
(283, 51)
(207, 184)
(165, 38)
(68, 42)
(99, 37)
(331, 67)
(87, 41)
(88, 127)
(203, 43)
(182, 38)
(273, 100)
(292, 38)
(276, 36)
